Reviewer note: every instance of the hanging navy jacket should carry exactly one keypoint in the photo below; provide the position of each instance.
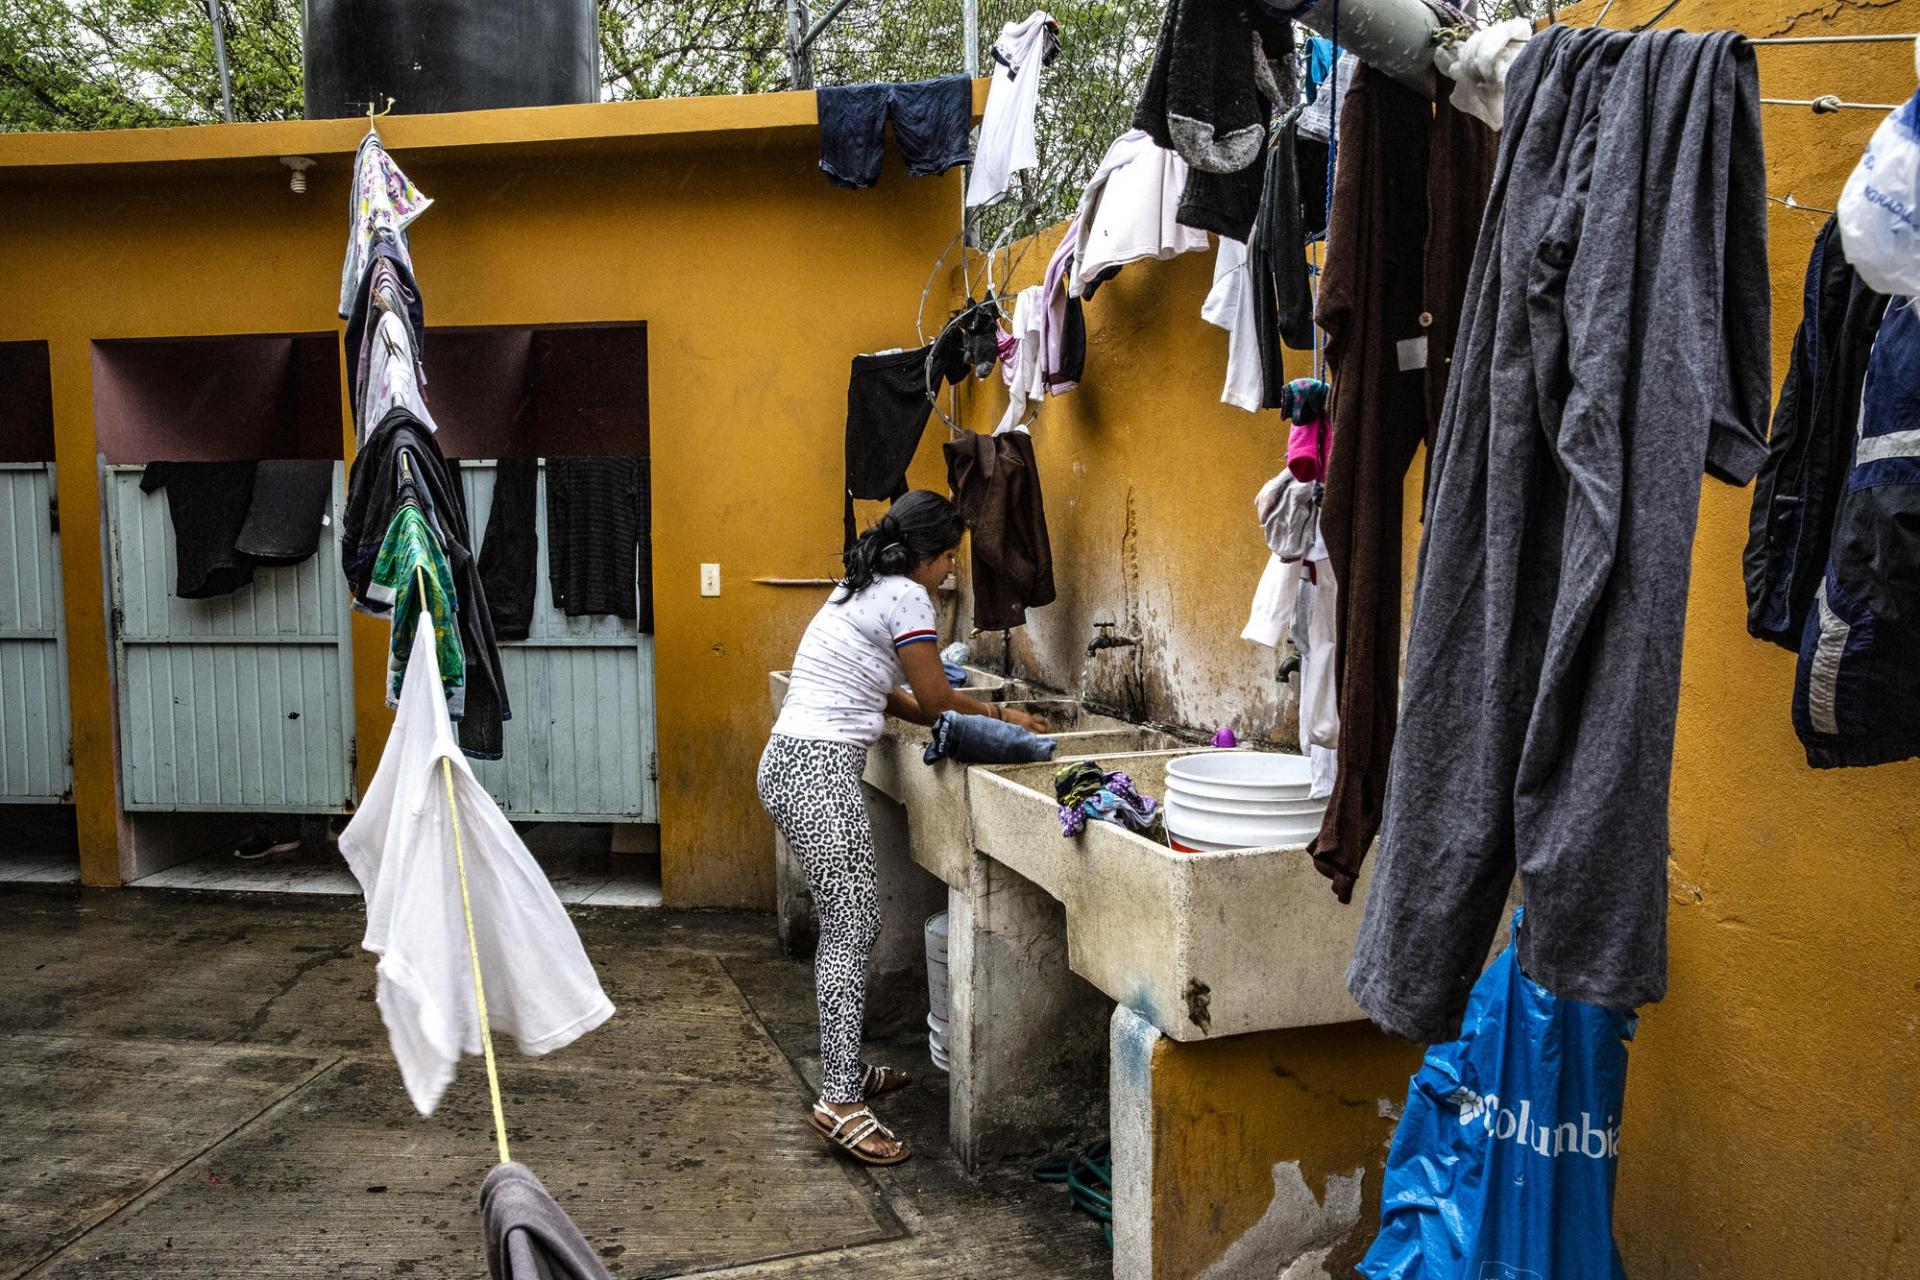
(1800, 483)
(1856, 694)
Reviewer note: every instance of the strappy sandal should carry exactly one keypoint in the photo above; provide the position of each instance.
(846, 1133)
(876, 1082)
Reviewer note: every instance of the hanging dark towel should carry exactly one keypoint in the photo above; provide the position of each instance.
(599, 544)
(208, 504)
(1800, 484)
(401, 459)
(1211, 85)
(1370, 302)
(528, 1235)
(1277, 260)
(1310, 168)
(510, 552)
(996, 485)
(887, 411)
(1073, 345)
(288, 510)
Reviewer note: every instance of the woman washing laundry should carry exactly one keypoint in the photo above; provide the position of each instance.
(875, 631)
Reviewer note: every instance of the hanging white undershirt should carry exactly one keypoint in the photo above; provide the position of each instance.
(1229, 306)
(1131, 210)
(541, 988)
(1006, 126)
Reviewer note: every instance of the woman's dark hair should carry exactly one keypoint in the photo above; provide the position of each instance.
(920, 526)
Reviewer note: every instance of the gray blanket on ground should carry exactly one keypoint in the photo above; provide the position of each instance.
(1615, 342)
(528, 1237)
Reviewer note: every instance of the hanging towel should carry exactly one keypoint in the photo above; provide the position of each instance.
(1026, 373)
(887, 411)
(510, 552)
(996, 485)
(528, 1236)
(208, 503)
(380, 204)
(1006, 126)
(599, 553)
(541, 988)
(1063, 339)
(1229, 305)
(287, 511)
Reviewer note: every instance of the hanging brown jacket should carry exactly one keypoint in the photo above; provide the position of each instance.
(996, 485)
(1410, 185)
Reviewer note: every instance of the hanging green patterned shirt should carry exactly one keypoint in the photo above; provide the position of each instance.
(409, 554)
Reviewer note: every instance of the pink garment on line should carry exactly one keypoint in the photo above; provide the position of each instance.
(1306, 454)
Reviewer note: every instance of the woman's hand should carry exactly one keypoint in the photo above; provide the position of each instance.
(1025, 720)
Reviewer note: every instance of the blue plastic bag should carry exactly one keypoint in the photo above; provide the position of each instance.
(1503, 1165)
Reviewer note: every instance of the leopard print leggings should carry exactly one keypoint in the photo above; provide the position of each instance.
(811, 790)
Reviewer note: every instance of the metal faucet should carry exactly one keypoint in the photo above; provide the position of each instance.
(1105, 639)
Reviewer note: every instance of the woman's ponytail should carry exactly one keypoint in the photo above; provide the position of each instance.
(920, 526)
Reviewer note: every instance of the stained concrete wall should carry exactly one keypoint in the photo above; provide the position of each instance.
(707, 219)
(1773, 1106)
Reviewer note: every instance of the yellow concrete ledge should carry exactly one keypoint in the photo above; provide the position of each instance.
(754, 121)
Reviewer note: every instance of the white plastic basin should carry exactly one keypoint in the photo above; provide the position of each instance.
(1242, 775)
(1239, 832)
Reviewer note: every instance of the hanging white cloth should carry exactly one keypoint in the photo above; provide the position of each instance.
(392, 376)
(1131, 210)
(1316, 121)
(1026, 373)
(1319, 700)
(1275, 601)
(1007, 125)
(1478, 65)
(1229, 306)
(541, 988)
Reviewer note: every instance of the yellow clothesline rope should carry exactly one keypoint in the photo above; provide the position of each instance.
(466, 908)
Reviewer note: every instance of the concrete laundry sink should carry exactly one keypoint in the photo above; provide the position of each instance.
(1202, 945)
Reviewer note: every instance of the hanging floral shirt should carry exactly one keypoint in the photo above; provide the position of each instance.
(383, 201)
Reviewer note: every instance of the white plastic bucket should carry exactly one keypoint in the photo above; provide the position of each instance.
(1222, 800)
(937, 992)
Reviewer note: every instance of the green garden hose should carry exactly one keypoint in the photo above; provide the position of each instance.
(1089, 1178)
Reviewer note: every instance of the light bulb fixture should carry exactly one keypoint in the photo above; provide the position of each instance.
(299, 164)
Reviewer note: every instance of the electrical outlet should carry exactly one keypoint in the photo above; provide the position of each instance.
(709, 579)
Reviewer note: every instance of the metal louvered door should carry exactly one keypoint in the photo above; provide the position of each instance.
(36, 733)
(581, 744)
(241, 703)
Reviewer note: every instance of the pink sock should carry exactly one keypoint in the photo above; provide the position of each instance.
(1303, 450)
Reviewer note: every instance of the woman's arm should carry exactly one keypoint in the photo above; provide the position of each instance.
(933, 694)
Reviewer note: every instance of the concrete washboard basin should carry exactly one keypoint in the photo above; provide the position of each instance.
(936, 798)
(1202, 945)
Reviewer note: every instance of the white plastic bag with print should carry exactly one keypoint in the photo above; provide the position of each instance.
(1880, 206)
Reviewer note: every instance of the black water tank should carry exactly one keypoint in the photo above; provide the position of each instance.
(449, 55)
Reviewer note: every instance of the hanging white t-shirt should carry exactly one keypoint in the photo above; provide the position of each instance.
(541, 988)
(1006, 126)
(1230, 305)
(849, 661)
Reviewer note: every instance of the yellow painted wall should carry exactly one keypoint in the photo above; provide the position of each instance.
(757, 281)
(1773, 1108)
(1227, 1111)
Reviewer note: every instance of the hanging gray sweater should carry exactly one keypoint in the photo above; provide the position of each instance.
(1614, 344)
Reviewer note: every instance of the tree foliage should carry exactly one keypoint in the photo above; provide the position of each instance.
(113, 64)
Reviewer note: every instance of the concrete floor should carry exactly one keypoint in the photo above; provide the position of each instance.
(198, 1085)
